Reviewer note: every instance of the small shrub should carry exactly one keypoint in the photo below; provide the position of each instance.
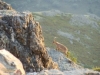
(96, 69)
(71, 56)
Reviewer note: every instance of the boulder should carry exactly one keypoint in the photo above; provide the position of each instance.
(9, 64)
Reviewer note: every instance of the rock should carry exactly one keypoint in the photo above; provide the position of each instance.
(51, 72)
(71, 72)
(32, 73)
(4, 6)
(9, 64)
(22, 36)
(81, 72)
(65, 64)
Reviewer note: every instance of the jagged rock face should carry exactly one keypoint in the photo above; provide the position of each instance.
(22, 36)
(4, 6)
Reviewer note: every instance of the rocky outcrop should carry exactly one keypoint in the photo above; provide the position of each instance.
(65, 64)
(22, 36)
(4, 6)
(9, 64)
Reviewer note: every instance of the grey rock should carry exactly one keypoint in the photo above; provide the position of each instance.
(65, 64)
(71, 72)
(22, 36)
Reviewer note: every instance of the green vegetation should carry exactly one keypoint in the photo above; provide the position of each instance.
(85, 45)
(96, 69)
(71, 56)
